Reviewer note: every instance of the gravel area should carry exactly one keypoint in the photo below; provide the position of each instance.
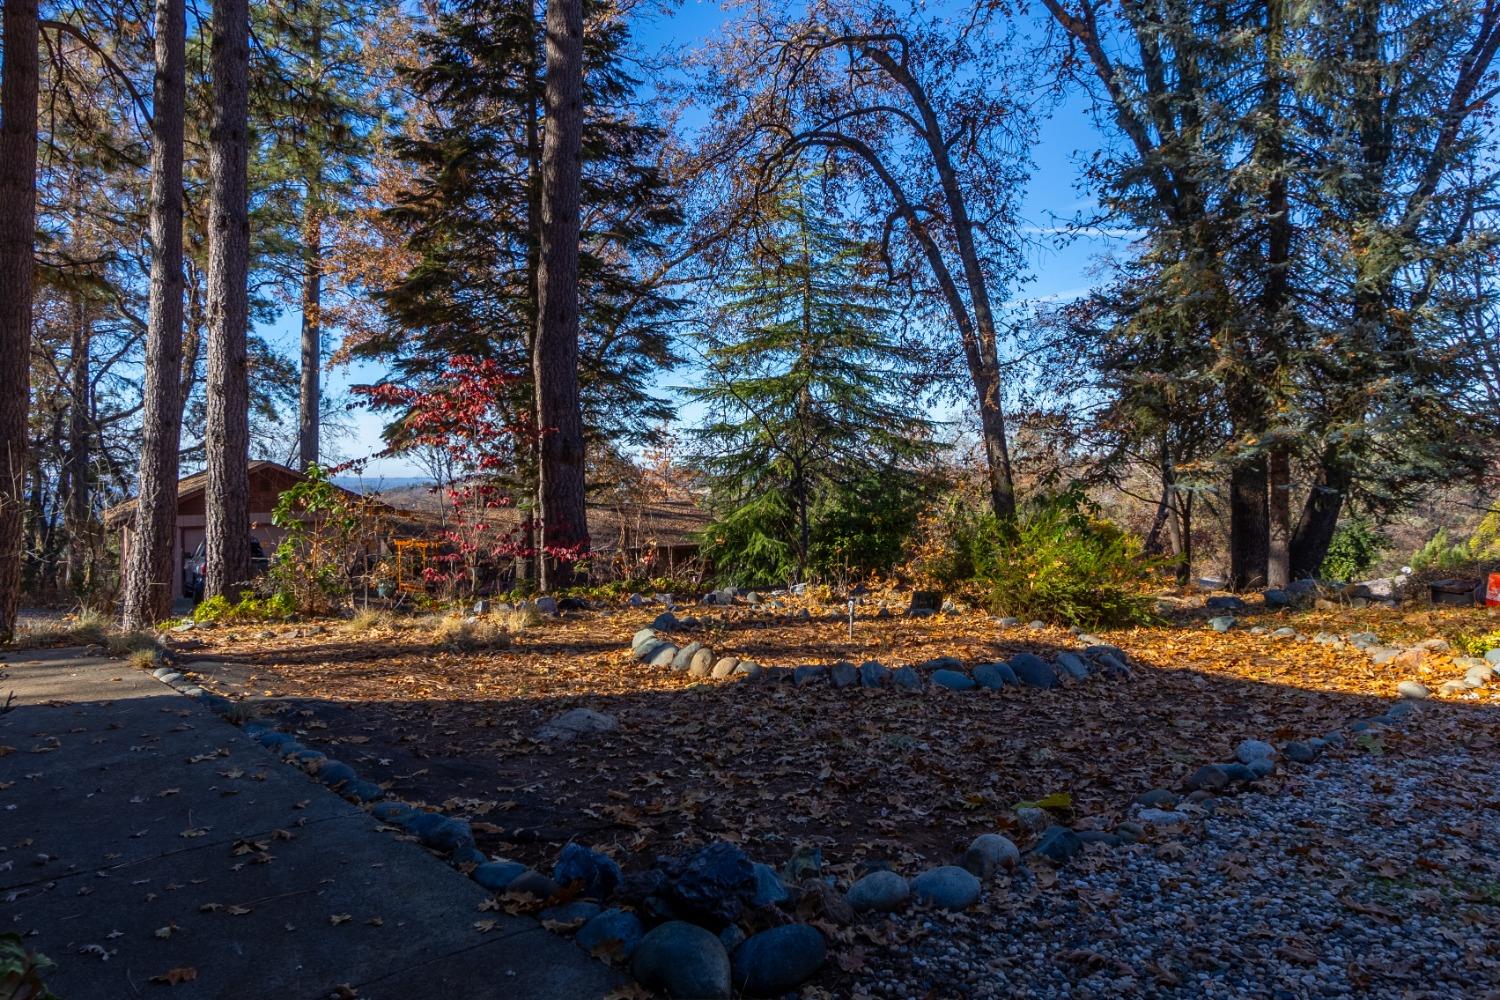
(1373, 873)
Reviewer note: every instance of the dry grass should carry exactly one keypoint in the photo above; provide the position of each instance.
(467, 634)
(85, 628)
(373, 619)
(522, 618)
(145, 658)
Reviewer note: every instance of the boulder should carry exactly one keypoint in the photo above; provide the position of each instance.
(666, 622)
(611, 934)
(994, 675)
(948, 888)
(570, 916)
(1299, 752)
(927, 601)
(777, 961)
(1278, 598)
(533, 883)
(953, 680)
(811, 673)
(685, 655)
(988, 853)
(873, 674)
(663, 656)
(1058, 844)
(702, 663)
(712, 884)
(843, 674)
(683, 961)
(941, 663)
(1073, 665)
(1226, 602)
(1221, 623)
(1252, 750)
(768, 887)
(546, 605)
(907, 678)
(591, 874)
(1413, 689)
(882, 891)
(1209, 777)
(574, 723)
(497, 876)
(1033, 671)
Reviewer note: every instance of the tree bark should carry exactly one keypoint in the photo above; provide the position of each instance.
(151, 581)
(227, 438)
(310, 402)
(1320, 517)
(76, 529)
(1279, 476)
(555, 358)
(18, 112)
(1248, 525)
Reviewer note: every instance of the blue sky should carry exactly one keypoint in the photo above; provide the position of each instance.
(1060, 269)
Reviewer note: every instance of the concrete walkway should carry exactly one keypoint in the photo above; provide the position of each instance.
(140, 834)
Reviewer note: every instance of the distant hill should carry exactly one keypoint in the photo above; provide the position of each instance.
(381, 484)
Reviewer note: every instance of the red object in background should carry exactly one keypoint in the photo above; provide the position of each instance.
(1492, 591)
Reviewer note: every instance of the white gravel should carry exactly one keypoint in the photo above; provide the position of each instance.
(1372, 873)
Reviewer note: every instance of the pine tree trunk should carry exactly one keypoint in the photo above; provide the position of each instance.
(76, 530)
(151, 580)
(555, 359)
(227, 440)
(311, 400)
(1278, 565)
(1248, 525)
(18, 112)
(1320, 518)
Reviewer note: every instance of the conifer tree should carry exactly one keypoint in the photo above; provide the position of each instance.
(806, 416)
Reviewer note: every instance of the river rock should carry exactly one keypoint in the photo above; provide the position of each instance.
(1074, 665)
(777, 961)
(953, 680)
(683, 961)
(882, 891)
(575, 723)
(1413, 689)
(1209, 777)
(873, 674)
(843, 674)
(1058, 844)
(666, 622)
(702, 663)
(496, 876)
(949, 887)
(907, 678)
(807, 674)
(612, 933)
(724, 667)
(1252, 750)
(1033, 671)
(594, 875)
(685, 655)
(988, 853)
(994, 675)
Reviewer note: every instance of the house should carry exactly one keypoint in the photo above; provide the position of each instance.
(268, 481)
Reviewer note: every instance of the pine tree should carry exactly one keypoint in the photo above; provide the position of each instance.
(803, 395)
(472, 216)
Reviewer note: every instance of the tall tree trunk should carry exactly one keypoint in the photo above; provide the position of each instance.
(1249, 534)
(1185, 561)
(1163, 505)
(151, 579)
(1279, 476)
(18, 106)
(1320, 517)
(227, 439)
(77, 531)
(310, 402)
(555, 359)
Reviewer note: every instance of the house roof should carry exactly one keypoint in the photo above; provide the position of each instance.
(123, 513)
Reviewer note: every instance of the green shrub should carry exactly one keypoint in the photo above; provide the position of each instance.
(250, 608)
(1355, 547)
(1442, 555)
(1058, 561)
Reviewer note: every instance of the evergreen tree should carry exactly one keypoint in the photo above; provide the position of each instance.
(472, 215)
(807, 422)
